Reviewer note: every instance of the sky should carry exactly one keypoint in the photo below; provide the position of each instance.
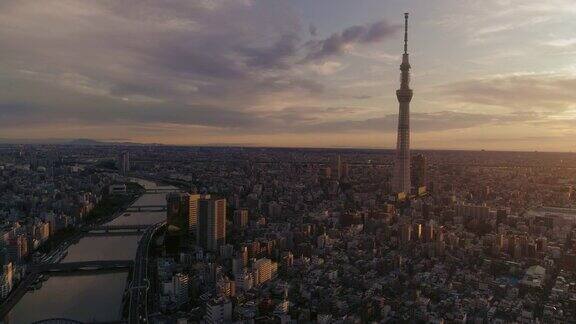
(486, 74)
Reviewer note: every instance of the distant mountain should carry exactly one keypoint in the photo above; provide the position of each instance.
(65, 141)
(85, 141)
(88, 141)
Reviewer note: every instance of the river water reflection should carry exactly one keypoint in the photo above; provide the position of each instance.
(92, 297)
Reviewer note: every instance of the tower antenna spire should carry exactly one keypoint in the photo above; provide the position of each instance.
(401, 179)
(406, 33)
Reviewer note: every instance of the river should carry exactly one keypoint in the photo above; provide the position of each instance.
(90, 297)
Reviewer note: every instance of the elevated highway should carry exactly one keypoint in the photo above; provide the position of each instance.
(138, 305)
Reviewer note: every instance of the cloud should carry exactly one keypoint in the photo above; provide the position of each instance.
(359, 34)
(326, 67)
(312, 30)
(419, 122)
(279, 55)
(502, 22)
(209, 63)
(210, 116)
(362, 97)
(561, 42)
(518, 92)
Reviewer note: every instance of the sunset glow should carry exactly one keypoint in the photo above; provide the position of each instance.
(489, 74)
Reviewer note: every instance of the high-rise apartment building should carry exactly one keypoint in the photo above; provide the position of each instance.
(429, 231)
(181, 287)
(264, 270)
(244, 279)
(124, 162)
(405, 233)
(218, 310)
(200, 216)
(6, 280)
(193, 210)
(419, 171)
(338, 167)
(240, 218)
(345, 170)
(211, 223)
(17, 248)
(417, 232)
(178, 213)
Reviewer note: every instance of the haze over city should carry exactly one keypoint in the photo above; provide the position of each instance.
(491, 74)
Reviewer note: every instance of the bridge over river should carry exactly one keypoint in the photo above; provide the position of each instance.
(82, 265)
(36, 269)
(148, 214)
(146, 208)
(110, 228)
(161, 190)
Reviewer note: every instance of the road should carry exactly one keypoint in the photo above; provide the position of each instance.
(138, 307)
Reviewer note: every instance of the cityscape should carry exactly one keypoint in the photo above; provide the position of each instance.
(125, 212)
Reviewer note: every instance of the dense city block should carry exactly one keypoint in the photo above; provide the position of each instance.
(299, 235)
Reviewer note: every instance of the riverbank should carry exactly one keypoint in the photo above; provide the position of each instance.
(107, 210)
(96, 296)
(109, 207)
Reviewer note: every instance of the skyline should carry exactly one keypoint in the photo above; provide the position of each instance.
(492, 75)
(90, 235)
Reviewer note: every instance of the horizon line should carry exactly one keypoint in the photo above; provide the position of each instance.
(70, 142)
